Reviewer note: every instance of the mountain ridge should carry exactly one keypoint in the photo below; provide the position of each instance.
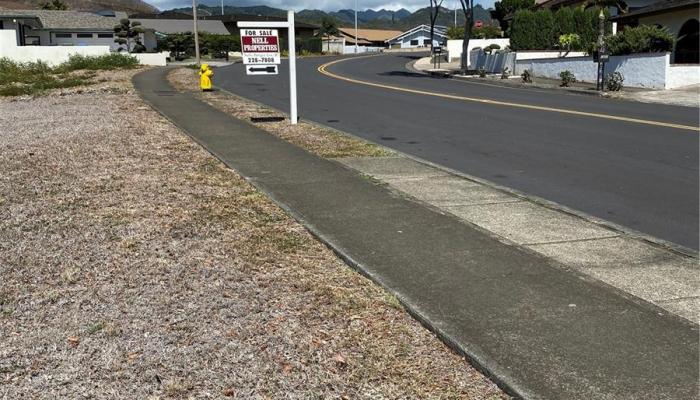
(130, 6)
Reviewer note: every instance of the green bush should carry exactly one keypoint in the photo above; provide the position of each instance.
(93, 63)
(526, 76)
(567, 78)
(614, 81)
(642, 39)
(569, 41)
(541, 30)
(482, 72)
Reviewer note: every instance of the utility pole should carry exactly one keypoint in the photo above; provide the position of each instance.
(355, 26)
(196, 33)
(600, 82)
(222, 7)
(455, 7)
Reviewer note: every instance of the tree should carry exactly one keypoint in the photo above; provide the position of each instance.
(434, 12)
(128, 32)
(468, 11)
(506, 8)
(54, 5)
(328, 28)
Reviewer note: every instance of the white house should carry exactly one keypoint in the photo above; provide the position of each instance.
(418, 37)
(65, 28)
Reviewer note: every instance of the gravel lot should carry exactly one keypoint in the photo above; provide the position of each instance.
(135, 265)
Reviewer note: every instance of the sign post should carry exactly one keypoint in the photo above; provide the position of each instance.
(261, 53)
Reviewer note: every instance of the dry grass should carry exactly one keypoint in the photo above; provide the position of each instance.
(314, 138)
(135, 265)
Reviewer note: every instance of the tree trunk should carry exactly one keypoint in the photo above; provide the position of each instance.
(467, 8)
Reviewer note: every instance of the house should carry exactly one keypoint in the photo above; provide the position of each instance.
(418, 37)
(173, 23)
(65, 28)
(367, 37)
(680, 17)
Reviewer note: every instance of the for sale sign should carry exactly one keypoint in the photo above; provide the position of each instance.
(260, 46)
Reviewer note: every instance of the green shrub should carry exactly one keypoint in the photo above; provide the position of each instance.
(482, 72)
(570, 41)
(567, 78)
(526, 76)
(106, 62)
(642, 39)
(614, 81)
(505, 73)
(564, 22)
(490, 48)
(541, 30)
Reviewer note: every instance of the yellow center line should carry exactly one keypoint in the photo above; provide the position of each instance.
(323, 69)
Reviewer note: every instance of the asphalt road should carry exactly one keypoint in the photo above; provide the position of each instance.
(641, 176)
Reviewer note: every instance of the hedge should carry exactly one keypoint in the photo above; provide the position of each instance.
(641, 39)
(541, 30)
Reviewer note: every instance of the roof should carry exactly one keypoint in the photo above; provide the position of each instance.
(64, 20)
(372, 35)
(170, 26)
(658, 8)
(439, 31)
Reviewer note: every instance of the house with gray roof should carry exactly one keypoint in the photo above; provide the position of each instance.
(173, 26)
(65, 28)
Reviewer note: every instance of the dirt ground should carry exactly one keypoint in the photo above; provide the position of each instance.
(134, 265)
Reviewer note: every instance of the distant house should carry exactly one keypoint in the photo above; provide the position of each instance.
(418, 37)
(65, 28)
(680, 17)
(367, 37)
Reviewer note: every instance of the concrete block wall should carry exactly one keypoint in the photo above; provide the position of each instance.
(648, 70)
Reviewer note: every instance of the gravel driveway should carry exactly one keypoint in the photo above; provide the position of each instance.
(134, 265)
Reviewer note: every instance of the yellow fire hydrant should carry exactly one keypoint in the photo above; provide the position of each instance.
(205, 74)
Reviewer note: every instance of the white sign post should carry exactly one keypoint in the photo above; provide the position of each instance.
(260, 59)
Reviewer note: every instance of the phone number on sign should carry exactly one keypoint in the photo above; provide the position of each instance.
(260, 60)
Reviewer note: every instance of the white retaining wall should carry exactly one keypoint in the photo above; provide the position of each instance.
(155, 59)
(56, 55)
(454, 47)
(649, 70)
(52, 55)
(679, 75)
(361, 49)
(534, 55)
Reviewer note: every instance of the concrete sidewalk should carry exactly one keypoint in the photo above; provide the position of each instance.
(539, 330)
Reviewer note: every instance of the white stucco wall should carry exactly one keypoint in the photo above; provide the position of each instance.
(454, 47)
(155, 59)
(649, 70)
(679, 75)
(52, 55)
(361, 49)
(671, 20)
(537, 54)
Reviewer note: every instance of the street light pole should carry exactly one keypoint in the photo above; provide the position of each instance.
(196, 34)
(222, 7)
(355, 26)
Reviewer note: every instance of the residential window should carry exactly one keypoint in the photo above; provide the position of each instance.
(105, 35)
(64, 35)
(414, 42)
(1, 26)
(426, 42)
(85, 35)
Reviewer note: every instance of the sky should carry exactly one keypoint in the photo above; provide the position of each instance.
(325, 5)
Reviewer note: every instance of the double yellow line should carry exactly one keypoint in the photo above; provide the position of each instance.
(323, 69)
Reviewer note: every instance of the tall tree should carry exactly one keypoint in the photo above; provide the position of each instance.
(435, 6)
(128, 32)
(468, 10)
(507, 8)
(328, 28)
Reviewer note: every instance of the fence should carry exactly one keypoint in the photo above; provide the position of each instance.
(493, 63)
